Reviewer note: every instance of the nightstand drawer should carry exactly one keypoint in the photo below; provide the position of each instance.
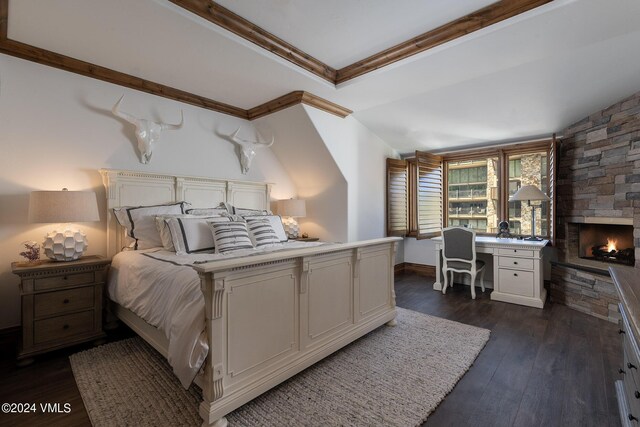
(53, 303)
(61, 327)
(516, 282)
(519, 263)
(65, 280)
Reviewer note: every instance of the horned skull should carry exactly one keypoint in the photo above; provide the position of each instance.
(147, 131)
(248, 149)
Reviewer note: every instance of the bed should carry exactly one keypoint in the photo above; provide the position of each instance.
(266, 316)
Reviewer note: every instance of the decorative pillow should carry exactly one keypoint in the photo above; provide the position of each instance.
(191, 234)
(276, 223)
(230, 236)
(140, 222)
(243, 211)
(208, 211)
(261, 232)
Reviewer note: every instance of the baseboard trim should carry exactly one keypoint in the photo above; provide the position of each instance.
(420, 269)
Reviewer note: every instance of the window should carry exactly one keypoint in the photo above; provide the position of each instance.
(470, 188)
(529, 169)
(468, 193)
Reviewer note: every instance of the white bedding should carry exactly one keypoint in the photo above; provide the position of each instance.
(163, 289)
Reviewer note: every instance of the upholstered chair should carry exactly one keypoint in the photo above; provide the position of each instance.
(459, 256)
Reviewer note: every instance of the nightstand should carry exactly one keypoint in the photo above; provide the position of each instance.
(61, 304)
(306, 239)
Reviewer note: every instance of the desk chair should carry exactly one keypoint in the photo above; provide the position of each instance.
(459, 256)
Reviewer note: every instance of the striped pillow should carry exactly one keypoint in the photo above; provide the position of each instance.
(230, 236)
(261, 232)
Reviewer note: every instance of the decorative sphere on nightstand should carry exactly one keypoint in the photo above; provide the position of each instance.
(65, 246)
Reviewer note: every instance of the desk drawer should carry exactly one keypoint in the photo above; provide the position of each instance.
(60, 302)
(516, 252)
(518, 263)
(65, 280)
(515, 282)
(58, 328)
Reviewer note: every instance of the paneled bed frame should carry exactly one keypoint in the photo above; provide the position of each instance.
(268, 316)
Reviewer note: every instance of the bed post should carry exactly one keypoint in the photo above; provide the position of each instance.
(213, 289)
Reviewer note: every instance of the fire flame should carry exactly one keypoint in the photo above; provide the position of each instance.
(611, 245)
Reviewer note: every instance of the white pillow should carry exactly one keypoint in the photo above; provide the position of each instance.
(261, 232)
(230, 236)
(276, 223)
(243, 211)
(189, 233)
(140, 222)
(165, 232)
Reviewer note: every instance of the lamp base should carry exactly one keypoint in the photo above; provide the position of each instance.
(67, 245)
(291, 227)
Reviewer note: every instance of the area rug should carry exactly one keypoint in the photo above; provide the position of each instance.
(393, 376)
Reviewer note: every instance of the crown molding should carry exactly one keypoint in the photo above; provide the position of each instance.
(297, 97)
(482, 18)
(470, 23)
(228, 20)
(73, 65)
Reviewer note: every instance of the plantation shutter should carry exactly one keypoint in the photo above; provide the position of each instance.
(553, 176)
(429, 194)
(397, 197)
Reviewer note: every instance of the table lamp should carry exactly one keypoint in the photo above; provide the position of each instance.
(291, 209)
(64, 207)
(530, 193)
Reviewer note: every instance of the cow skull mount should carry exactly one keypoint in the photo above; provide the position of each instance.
(248, 149)
(147, 131)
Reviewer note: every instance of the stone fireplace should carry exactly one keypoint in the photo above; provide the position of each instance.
(598, 208)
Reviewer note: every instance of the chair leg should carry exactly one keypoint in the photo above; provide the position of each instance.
(482, 279)
(473, 286)
(446, 281)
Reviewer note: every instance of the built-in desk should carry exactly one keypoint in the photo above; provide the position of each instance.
(517, 269)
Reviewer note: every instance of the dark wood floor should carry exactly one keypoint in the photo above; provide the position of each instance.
(550, 367)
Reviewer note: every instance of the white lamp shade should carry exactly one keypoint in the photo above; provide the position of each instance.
(63, 206)
(294, 208)
(527, 193)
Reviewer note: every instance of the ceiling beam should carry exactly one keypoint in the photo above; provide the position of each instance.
(228, 20)
(475, 21)
(297, 97)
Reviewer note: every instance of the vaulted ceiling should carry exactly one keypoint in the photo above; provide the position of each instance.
(527, 76)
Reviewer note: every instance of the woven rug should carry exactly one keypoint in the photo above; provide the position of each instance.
(394, 376)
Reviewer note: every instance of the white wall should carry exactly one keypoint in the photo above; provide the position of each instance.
(318, 180)
(56, 130)
(361, 157)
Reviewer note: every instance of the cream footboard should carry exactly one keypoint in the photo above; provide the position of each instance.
(270, 316)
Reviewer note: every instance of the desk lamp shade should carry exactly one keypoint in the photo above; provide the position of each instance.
(62, 207)
(290, 209)
(530, 193)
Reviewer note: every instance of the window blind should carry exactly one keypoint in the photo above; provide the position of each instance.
(397, 197)
(429, 194)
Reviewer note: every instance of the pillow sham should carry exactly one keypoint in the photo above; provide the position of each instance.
(140, 222)
(191, 234)
(276, 223)
(262, 233)
(230, 236)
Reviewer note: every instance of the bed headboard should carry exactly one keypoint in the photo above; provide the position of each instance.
(131, 188)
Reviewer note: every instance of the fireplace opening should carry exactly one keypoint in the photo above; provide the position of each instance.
(607, 243)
